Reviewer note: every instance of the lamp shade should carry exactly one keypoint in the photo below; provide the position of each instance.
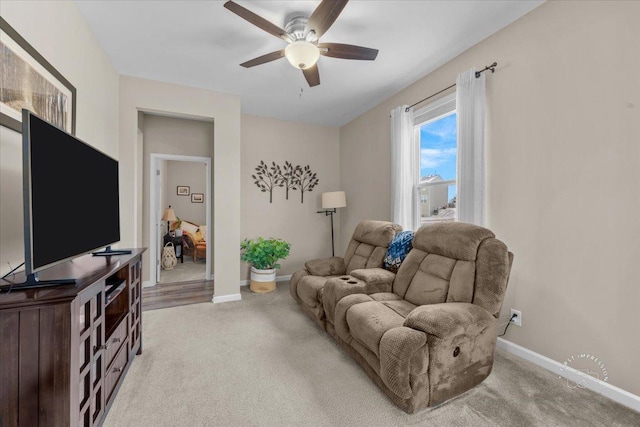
(334, 199)
(302, 54)
(169, 215)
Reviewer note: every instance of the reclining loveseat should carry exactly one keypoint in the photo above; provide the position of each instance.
(428, 333)
(367, 249)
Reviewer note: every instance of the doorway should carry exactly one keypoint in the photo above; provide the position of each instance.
(194, 255)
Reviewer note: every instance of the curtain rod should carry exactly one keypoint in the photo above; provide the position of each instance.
(488, 67)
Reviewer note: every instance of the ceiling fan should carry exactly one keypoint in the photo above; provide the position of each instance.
(303, 34)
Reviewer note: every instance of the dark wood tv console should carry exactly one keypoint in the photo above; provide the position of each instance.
(65, 350)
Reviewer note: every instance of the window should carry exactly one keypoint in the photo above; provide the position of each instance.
(436, 131)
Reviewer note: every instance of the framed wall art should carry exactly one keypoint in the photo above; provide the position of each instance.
(27, 80)
(197, 198)
(183, 190)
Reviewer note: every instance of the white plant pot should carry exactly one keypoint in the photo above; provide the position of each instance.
(262, 280)
(178, 232)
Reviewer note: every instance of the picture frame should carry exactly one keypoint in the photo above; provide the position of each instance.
(183, 190)
(30, 81)
(197, 198)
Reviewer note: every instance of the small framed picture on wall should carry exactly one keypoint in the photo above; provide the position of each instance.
(183, 190)
(197, 198)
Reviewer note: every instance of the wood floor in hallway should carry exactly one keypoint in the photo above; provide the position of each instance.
(174, 294)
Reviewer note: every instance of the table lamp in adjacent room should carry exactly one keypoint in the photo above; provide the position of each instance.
(169, 215)
(330, 202)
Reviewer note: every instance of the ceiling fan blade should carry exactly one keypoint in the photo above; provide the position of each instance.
(312, 75)
(257, 20)
(263, 59)
(324, 16)
(347, 51)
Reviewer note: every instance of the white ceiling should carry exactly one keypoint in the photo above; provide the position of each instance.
(201, 44)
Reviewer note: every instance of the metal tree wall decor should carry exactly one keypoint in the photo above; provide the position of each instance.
(289, 177)
(266, 178)
(305, 180)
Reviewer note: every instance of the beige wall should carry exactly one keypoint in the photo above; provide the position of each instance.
(563, 136)
(193, 175)
(59, 33)
(181, 136)
(278, 141)
(11, 214)
(152, 96)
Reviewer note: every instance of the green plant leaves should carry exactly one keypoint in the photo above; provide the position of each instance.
(264, 253)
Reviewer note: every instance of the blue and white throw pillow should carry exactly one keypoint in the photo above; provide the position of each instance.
(398, 250)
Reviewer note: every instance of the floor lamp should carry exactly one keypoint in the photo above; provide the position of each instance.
(330, 202)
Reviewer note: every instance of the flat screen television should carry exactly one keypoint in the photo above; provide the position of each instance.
(71, 197)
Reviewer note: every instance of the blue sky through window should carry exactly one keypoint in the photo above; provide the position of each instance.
(438, 149)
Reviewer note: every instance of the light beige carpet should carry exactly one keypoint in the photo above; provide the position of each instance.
(262, 362)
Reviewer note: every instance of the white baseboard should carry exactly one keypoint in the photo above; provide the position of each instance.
(614, 393)
(226, 298)
(278, 279)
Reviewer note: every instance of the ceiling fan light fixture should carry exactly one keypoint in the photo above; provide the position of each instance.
(302, 54)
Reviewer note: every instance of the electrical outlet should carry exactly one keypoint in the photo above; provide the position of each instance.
(518, 319)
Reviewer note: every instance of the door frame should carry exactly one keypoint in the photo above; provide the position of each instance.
(155, 211)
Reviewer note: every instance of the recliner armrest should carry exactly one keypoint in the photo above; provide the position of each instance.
(374, 276)
(293, 283)
(448, 319)
(326, 266)
(461, 339)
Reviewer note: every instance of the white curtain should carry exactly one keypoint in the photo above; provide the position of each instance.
(404, 170)
(470, 106)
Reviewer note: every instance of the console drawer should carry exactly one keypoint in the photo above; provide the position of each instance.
(115, 371)
(115, 341)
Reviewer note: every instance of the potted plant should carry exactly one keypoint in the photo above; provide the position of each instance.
(177, 227)
(263, 255)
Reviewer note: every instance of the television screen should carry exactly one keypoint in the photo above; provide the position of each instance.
(71, 195)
